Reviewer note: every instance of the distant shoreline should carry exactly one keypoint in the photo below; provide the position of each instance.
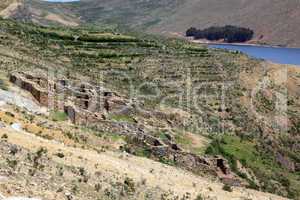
(273, 54)
(207, 42)
(237, 44)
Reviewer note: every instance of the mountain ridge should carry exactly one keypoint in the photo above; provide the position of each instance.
(274, 22)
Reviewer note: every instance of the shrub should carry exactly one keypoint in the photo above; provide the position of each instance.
(199, 197)
(4, 136)
(12, 163)
(60, 155)
(129, 185)
(227, 188)
(3, 86)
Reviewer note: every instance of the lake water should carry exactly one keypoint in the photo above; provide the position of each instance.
(274, 54)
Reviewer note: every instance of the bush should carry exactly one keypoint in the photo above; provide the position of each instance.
(4, 136)
(227, 188)
(3, 86)
(199, 197)
(129, 185)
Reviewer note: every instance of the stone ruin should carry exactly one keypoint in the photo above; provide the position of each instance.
(36, 86)
(83, 103)
(88, 105)
(168, 150)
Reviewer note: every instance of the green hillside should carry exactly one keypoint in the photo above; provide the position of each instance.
(210, 90)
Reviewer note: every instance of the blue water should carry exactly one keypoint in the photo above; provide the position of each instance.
(274, 54)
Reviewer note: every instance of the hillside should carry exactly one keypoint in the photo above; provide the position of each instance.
(274, 21)
(92, 112)
(9, 7)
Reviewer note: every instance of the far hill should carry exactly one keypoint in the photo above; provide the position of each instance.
(274, 21)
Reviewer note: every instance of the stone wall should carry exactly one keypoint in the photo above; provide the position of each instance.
(30, 84)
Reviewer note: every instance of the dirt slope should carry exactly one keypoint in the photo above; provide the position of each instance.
(115, 164)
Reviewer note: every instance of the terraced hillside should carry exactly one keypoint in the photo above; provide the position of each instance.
(274, 21)
(166, 100)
